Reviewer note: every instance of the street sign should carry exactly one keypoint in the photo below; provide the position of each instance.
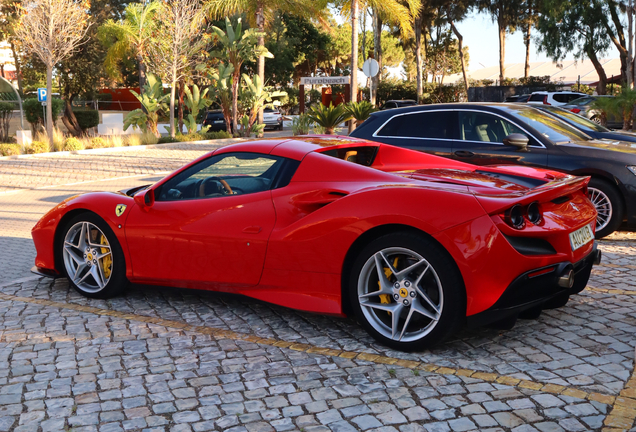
(371, 67)
(41, 95)
(328, 80)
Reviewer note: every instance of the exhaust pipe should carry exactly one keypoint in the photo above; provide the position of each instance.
(566, 280)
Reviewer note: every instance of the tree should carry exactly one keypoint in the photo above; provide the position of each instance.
(443, 56)
(506, 14)
(399, 14)
(9, 14)
(177, 42)
(528, 19)
(82, 73)
(130, 34)
(573, 26)
(237, 47)
(52, 29)
(221, 89)
(195, 101)
(258, 11)
(153, 101)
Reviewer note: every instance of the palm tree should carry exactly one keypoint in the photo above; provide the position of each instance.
(400, 14)
(238, 46)
(133, 33)
(258, 12)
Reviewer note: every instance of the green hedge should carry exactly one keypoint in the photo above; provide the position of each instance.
(431, 92)
(87, 118)
(34, 112)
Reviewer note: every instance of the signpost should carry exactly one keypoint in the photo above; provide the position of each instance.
(43, 99)
(371, 68)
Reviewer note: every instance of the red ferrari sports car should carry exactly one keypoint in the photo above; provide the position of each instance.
(413, 244)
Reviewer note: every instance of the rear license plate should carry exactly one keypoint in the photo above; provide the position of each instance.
(218, 121)
(581, 237)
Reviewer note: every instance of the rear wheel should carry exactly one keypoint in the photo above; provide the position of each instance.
(608, 204)
(93, 259)
(406, 291)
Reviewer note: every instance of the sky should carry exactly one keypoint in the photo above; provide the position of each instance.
(481, 36)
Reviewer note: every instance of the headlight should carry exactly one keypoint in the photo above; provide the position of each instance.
(632, 168)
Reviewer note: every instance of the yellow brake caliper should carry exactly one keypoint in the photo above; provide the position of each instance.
(107, 261)
(386, 298)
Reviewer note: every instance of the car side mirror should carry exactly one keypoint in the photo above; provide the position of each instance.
(517, 140)
(145, 198)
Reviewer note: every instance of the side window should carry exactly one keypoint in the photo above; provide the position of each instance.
(573, 96)
(536, 98)
(225, 174)
(483, 127)
(561, 97)
(433, 125)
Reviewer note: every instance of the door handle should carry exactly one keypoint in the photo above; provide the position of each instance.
(252, 229)
(464, 153)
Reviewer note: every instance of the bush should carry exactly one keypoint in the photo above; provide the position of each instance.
(217, 135)
(34, 112)
(167, 139)
(72, 144)
(394, 89)
(87, 118)
(9, 149)
(190, 137)
(149, 138)
(301, 124)
(39, 147)
(97, 142)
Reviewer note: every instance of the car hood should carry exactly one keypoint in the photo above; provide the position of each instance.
(610, 148)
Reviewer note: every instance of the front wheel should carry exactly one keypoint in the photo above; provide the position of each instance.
(406, 292)
(93, 259)
(608, 204)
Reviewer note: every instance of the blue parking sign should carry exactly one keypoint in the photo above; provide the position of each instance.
(41, 95)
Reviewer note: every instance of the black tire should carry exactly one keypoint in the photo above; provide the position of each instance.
(117, 280)
(444, 278)
(615, 203)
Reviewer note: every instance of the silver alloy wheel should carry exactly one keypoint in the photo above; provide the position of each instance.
(87, 257)
(603, 206)
(409, 302)
(597, 120)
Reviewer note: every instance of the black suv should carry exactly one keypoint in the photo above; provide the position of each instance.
(494, 134)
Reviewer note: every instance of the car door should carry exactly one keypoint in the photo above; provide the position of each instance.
(199, 231)
(427, 131)
(480, 141)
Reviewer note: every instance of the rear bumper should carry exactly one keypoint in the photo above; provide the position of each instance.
(533, 288)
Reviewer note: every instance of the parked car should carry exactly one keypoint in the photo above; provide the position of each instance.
(583, 107)
(215, 120)
(518, 98)
(554, 98)
(390, 104)
(496, 134)
(414, 245)
(273, 118)
(590, 127)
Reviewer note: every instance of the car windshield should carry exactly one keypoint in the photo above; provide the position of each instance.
(585, 100)
(554, 129)
(577, 120)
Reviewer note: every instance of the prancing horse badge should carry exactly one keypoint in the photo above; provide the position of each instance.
(120, 209)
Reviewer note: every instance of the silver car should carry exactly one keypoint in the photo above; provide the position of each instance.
(583, 107)
(273, 118)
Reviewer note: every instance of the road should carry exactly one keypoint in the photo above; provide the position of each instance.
(164, 359)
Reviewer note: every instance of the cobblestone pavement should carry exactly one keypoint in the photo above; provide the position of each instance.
(179, 360)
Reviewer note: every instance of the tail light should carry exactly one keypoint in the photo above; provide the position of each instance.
(514, 217)
(575, 110)
(535, 215)
(545, 100)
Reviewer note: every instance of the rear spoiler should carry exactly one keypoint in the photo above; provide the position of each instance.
(494, 204)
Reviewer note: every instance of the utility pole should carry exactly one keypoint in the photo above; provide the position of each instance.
(630, 51)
